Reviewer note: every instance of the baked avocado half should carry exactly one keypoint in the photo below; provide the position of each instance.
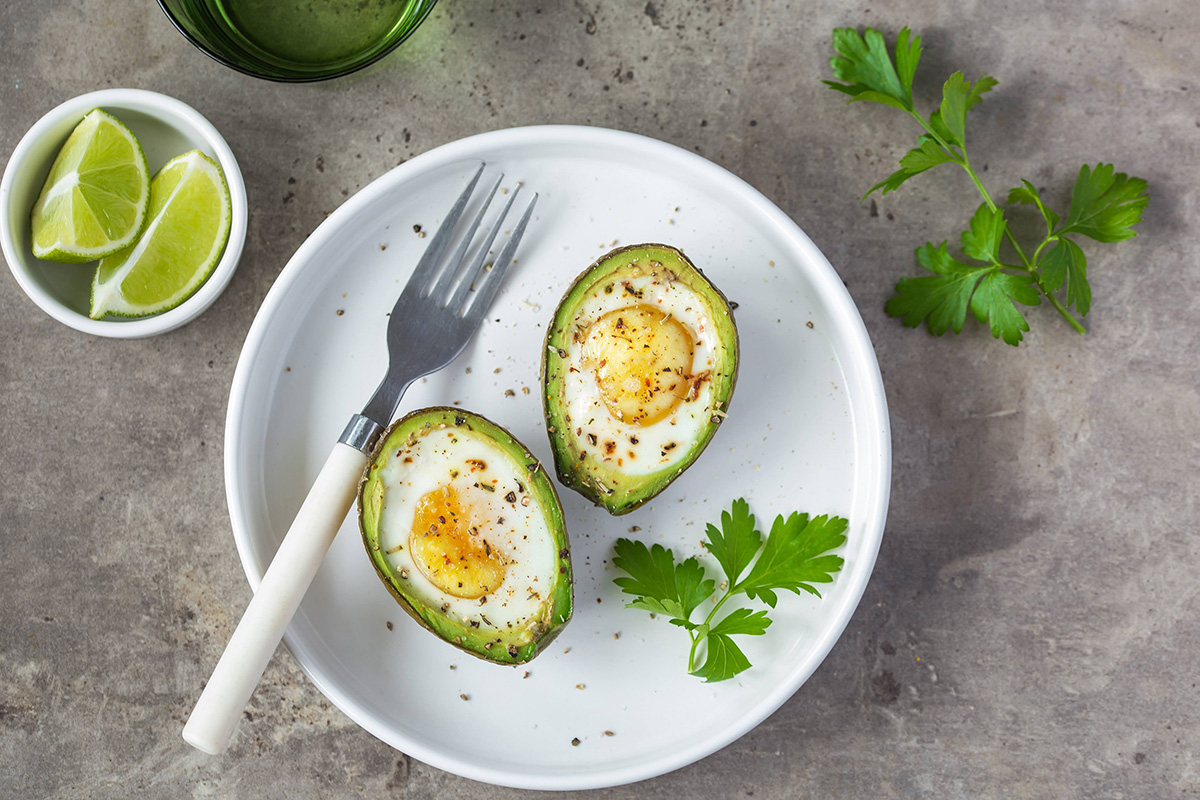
(465, 530)
(638, 370)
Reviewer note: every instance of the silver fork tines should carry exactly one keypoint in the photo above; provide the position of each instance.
(443, 302)
(427, 267)
(442, 286)
(475, 271)
(486, 290)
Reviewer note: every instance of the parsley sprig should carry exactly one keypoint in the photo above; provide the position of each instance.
(1105, 205)
(795, 556)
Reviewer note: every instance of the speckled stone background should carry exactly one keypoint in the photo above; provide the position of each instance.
(1032, 628)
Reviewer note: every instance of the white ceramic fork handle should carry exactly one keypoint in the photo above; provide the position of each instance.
(296, 562)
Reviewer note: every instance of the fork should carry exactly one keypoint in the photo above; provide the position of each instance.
(438, 311)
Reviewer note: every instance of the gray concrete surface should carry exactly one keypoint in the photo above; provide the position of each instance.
(1031, 629)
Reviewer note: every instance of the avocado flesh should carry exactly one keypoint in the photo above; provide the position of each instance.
(631, 273)
(522, 475)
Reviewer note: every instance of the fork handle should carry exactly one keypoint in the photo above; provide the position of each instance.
(296, 562)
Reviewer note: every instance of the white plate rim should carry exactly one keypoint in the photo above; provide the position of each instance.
(861, 356)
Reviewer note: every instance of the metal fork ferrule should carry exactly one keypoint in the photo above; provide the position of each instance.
(361, 433)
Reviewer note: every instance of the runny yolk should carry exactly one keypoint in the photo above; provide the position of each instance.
(643, 362)
(450, 548)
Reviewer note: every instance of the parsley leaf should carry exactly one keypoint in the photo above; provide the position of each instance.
(941, 299)
(743, 620)
(908, 54)
(868, 70)
(994, 299)
(959, 96)
(1066, 262)
(1105, 205)
(795, 555)
(914, 162)
(927, 156)
(953, 111)
(981, 87)
(724, 659)
(1027, 193)
(659, 585)
(736, 543)
(982, 241)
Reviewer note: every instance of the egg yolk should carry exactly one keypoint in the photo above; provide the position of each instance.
(449, 547)
(643, 362)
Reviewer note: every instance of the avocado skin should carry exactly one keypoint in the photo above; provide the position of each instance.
(476, 641)
(615, 492)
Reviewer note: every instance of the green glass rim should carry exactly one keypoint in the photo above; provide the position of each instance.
(315, 77)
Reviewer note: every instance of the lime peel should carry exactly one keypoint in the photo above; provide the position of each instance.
(96, 195)
(189, 220)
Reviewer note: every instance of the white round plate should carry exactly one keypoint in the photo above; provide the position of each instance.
(611, 701)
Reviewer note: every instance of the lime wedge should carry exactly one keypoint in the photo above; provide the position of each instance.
(95, 198)
(189, 223)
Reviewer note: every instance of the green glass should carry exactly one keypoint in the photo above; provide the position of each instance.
(297, 40)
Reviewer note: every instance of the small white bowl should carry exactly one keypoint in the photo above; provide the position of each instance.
(166, 128)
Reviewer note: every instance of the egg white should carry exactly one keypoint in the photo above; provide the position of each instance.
(523, 537)
(667, 441)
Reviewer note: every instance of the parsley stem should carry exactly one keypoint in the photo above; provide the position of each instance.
(1046, 241)
(963, 161)
(729, 592)
(692, 653)
(945, 145)
(1026, 264)
(1054, 301)
(717, 607)
(960, 158)
(987, 198)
